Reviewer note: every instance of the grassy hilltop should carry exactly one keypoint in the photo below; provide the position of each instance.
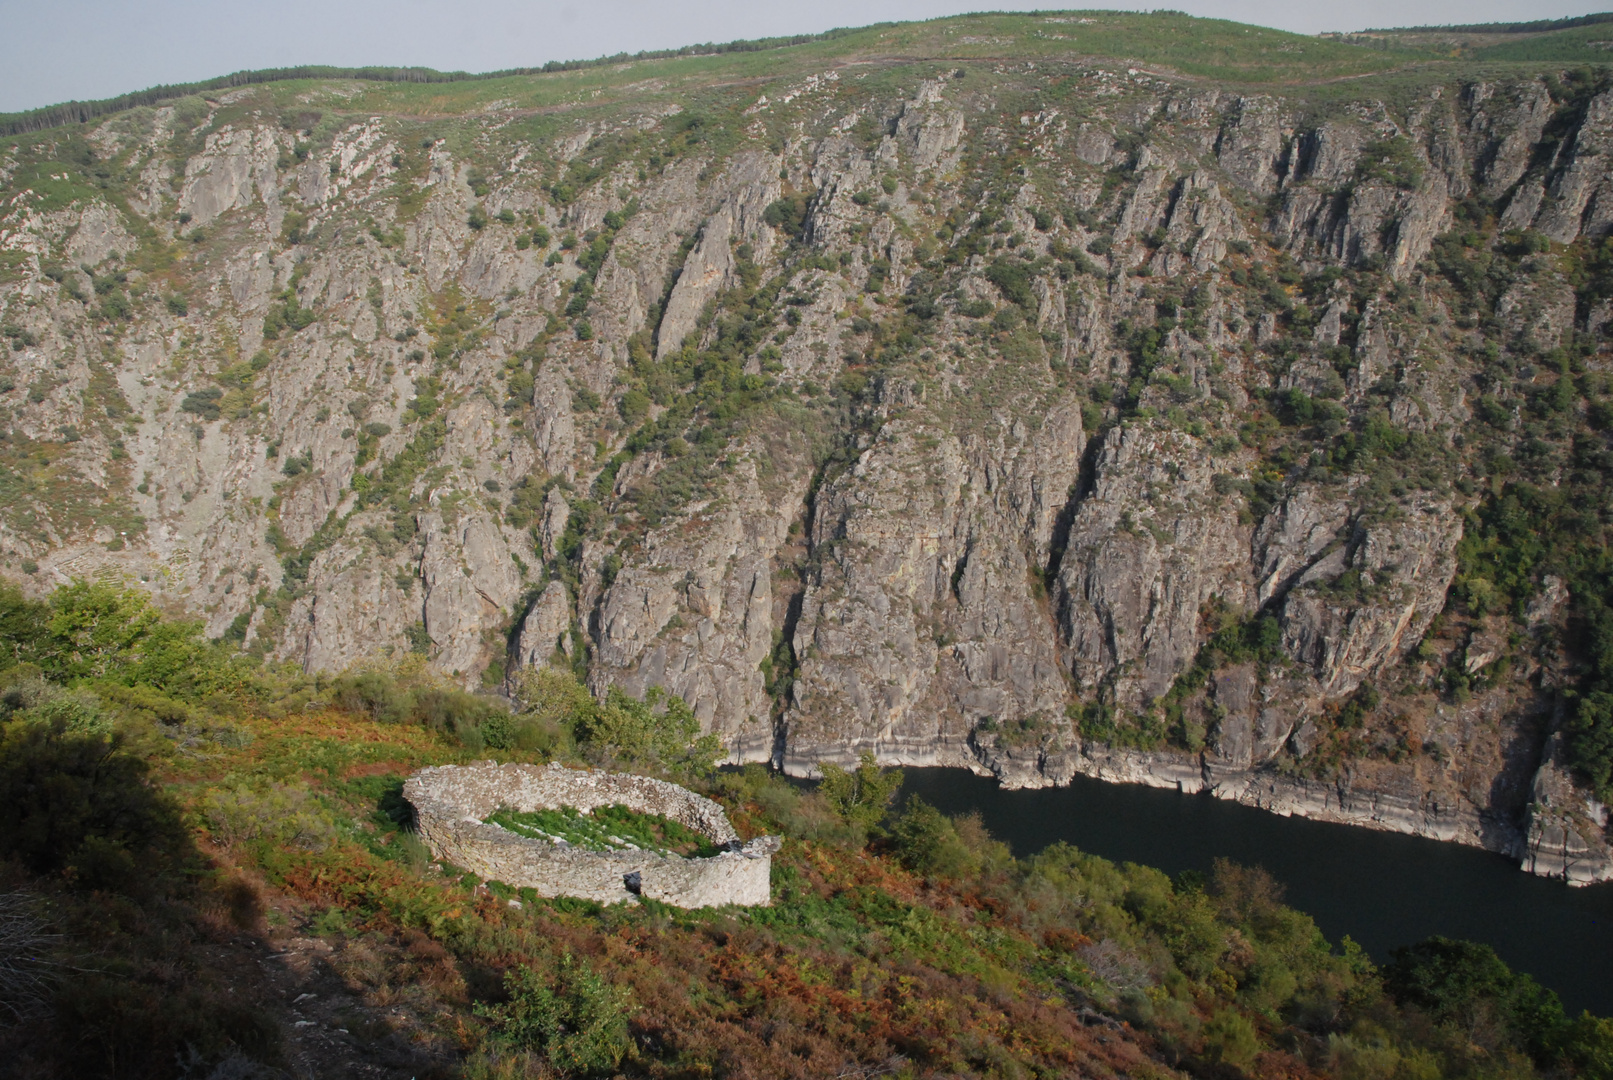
(1226, 52)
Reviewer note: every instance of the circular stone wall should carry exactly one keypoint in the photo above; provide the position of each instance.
(450, 802)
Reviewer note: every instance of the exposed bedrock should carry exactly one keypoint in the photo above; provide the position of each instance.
(948, 419)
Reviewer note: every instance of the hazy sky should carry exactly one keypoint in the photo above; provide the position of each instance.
(56, 50)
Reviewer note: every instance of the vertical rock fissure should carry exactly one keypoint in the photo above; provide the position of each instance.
(1086, 482)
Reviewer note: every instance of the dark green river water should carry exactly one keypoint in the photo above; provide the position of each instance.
(1382, 889)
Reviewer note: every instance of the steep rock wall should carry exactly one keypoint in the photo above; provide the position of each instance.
(951, 419)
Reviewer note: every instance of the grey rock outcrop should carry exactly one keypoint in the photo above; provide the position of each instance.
(958, 459)
(1567, 835)
(1150, 545)
(470, 585)
(546, 630)
(1366, 601)
(921, 618)
(694, 613)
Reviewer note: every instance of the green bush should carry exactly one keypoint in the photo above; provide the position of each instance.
(278, 815)
(95, 631)
(1586, 1044)
(1393, 161)
(294, 227)
(1230, 1039)
(77, 712)
(931, 843)
(1465, 986)
(80, 804)
(660, 731)
(1014, 279)
(204, 403)
(863, 796)
(388, 700)
(788, 215)
(576, 1019)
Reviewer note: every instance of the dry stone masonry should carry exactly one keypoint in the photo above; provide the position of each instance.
(451, 801)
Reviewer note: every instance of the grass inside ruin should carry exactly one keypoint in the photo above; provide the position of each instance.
(607, 828)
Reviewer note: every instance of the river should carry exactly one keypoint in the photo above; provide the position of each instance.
(1383, 889)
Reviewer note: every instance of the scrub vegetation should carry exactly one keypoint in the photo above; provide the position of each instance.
(170, 808)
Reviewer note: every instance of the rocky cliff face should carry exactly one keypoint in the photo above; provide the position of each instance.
(1035, 418)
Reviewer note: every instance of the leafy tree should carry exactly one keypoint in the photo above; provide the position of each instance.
(863, 796)
(22, 626)
(1466, 986)
(659, 731)
(932, 843)
(1587, 1045)
(93, 631)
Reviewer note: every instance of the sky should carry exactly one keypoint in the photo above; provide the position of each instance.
(83, 49)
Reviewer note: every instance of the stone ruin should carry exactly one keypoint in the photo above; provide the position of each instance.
(451, 801)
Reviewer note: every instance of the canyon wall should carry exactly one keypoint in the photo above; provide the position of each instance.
(1038, 419)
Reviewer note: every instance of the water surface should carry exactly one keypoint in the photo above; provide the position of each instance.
(1382, 889)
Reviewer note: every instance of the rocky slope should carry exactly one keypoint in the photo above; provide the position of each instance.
(1043, 415)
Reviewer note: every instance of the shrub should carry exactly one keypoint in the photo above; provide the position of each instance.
(77, 712)
(294, 227)
(99, 631)
(578, 1021)
(931, 843)
(80, 804)
(391, 698)
(280, 815)
(788, 215)
(1230, 1039)
(374, 692)
(1587, 1045)
(203, 403)
(659, 731)
(1467, 987)
(1393, 161)
(1014, 279)
(863, 796)
(634, 406)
